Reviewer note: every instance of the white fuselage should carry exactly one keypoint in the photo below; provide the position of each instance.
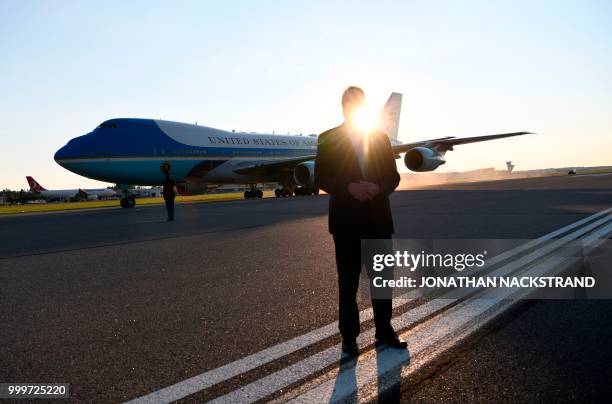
(71, 193)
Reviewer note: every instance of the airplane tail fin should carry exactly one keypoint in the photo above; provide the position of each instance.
(34, 186)
(390, 116)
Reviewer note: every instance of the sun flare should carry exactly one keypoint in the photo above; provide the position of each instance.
(365, 118)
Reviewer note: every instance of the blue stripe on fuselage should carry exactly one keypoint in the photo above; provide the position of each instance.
(137, 171)
(131, 137)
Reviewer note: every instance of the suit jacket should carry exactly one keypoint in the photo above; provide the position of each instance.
(337, 166)
(168, 189)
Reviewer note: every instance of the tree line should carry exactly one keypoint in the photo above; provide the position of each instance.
(14, 197)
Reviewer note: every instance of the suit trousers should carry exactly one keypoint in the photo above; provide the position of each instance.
(170, 208)
(350, 254)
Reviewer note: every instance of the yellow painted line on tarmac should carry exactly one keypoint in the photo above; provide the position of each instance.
(114, 203)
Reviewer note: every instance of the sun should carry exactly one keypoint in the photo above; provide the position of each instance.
(365, 118)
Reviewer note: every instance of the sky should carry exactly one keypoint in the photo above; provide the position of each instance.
(466, 68)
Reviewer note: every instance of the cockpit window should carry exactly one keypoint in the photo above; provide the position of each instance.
(107, 125)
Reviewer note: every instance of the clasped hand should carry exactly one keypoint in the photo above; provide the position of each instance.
(363, 190)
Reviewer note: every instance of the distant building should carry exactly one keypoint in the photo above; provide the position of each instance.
(153, 192)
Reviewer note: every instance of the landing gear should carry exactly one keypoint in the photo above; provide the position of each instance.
(283, 192)
(287, 189)
(127, 202)
(253, 193)
(305, 191)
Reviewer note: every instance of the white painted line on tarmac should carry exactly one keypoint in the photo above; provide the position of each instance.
(457, 323)
(283, 378)
(271, 383)
(226, 372)
(434, 333)
(599, 234)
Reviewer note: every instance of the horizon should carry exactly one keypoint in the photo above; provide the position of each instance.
(464, 70)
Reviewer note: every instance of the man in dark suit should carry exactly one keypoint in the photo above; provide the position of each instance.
(358, 171)
(169, 193)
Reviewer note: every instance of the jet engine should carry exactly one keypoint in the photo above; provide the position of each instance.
(422, 159)
(304, 174)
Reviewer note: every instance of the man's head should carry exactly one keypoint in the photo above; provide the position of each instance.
(353, 99)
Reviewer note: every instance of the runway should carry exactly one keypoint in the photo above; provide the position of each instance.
(120, 303)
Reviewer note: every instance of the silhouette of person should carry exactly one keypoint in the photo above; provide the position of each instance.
(357, 169)
(169, 193)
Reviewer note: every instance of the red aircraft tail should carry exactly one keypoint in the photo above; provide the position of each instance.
(34, 186)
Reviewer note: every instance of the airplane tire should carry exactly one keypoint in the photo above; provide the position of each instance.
(130, 202)
(247, 194)
(278, 193)
(259, 193)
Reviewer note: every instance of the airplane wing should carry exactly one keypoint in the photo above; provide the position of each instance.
(270, 167)
(446, 143)
(443, 144)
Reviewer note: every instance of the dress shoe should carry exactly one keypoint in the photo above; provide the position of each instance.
(350, 348)
(393, 341)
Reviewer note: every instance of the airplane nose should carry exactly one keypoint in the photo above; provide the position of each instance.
(64, 153)
(59, 155)
(72, 149)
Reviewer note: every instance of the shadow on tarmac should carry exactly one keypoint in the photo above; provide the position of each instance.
(389, 364)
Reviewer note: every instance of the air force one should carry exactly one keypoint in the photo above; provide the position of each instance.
(138, 151)
(65, 194)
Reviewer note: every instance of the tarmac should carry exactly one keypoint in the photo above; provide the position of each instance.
(120, 303)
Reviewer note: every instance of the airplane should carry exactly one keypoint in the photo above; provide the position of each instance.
(140, 151)
(68, 193)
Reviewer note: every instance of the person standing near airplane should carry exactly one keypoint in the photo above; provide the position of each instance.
(357, 169)
(169, 192)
